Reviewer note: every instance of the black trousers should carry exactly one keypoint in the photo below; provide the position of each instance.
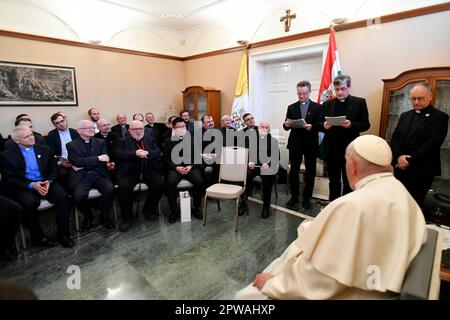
(417, 184)
(336, 171)
(155, 183)
(267, 184)
(194, 177)
(63, 177)
(295, 158)
(30, 200)
(81, 191)
(10, 213)
(212, 177)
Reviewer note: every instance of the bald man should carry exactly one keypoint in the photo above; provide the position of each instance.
(121, 128)
(263, 162)
(416, 143)
(360, 246)
(89, 158)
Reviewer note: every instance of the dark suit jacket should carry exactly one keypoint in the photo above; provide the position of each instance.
(126, 155)
(118, 129)
(228, 131)
(111, 141)
(356, 112)
(38, 139)
(79, 157)
(300, 138)
(168, 147)
(2, 143)
(155, 132)
(54, 141)
(423, 144)
(14, 165)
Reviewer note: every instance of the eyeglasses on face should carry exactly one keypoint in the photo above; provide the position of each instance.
(417, 98)
(88, 128)
(137, 129)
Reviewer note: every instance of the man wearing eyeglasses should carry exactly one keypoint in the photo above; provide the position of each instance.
(89, 158)
(30, 174)
(416, 143)
(179, 157)
(57, 140)
(338, 137)
(138, 160)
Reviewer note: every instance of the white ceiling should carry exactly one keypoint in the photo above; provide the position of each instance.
(174, 23)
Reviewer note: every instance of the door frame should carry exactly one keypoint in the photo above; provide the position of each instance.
(256, 69)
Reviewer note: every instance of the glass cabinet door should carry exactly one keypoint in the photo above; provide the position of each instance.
(189, 104)
(398, 103)
(442, 102)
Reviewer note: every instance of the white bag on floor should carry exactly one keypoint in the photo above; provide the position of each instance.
(185, 206)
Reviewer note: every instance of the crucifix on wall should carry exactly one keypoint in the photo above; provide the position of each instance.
(287, 19)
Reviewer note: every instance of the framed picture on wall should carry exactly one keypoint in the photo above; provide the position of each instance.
(23, 84)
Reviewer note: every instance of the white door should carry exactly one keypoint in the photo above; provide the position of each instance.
(280, 90)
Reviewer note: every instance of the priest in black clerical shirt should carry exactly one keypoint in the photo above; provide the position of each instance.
(89, 159)
(138, 160)
(416, 143)
(338, 137)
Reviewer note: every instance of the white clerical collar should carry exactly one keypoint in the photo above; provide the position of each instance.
(343, 100)
(104, 135)
(361, 183)
(417, 111)
(87, 141)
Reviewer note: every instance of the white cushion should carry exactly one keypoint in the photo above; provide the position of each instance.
(143, 187)
(184, 184)
(225, 191)
(94, 193)
(44, 205)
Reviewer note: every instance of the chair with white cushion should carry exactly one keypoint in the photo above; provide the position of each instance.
(233, 168)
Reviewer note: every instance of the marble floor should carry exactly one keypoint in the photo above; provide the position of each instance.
(158, 260)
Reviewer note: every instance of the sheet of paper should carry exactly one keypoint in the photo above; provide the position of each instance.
(299, 123)
(335, 121)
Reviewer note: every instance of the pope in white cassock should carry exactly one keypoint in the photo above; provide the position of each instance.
(359, 246)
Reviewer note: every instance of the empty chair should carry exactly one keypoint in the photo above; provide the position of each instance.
(233, 168)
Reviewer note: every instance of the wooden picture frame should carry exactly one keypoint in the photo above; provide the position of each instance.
(23, 84)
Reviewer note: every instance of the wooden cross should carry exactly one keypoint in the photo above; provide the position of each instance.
(287, 19)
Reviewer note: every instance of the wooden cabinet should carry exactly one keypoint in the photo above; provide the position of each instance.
(396, 101)
(200, 100)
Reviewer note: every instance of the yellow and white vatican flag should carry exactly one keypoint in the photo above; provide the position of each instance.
(240, 103)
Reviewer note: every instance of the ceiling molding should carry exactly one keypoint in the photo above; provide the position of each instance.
(346, 26)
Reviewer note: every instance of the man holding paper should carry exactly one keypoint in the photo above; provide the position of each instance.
(339, 132)
(303, 118)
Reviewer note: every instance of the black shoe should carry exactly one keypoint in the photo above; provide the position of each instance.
(150, 216)
(293, 201)
(306, 204)
(44, 242)
(87, 225)
(8, 255)
(124, 225)
(265, 212)
(197, 213)
(107, 223)
(242, 208)
(173, 217)
(66, 241)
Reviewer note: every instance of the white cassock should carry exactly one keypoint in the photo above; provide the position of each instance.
(358, 247)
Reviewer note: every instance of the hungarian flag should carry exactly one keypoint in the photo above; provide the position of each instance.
(331, 69)
(240, 103)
